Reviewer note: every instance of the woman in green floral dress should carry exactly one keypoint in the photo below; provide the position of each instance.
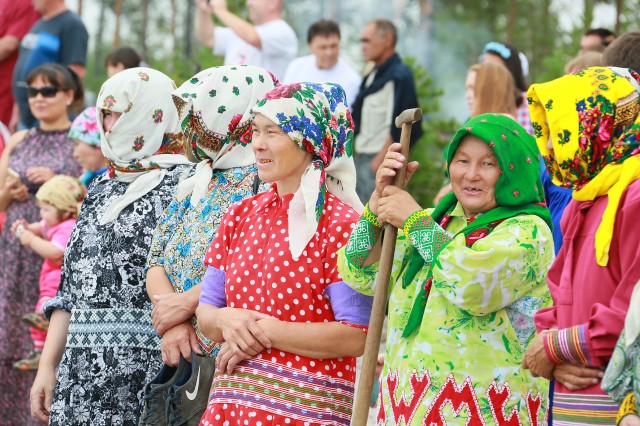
(467, 278)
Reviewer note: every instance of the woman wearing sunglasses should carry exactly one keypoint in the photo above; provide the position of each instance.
(30, 158)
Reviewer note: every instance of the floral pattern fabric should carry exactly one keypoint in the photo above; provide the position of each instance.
(112, 349)
(21, 268)
(85, 128)
(593, 117)
(317, 119)
(463, 364)
(596, 149)
(183, 236)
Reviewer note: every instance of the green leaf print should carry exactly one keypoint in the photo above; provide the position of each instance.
(507, 346)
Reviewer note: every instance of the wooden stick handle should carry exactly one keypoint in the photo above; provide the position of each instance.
(374, 334)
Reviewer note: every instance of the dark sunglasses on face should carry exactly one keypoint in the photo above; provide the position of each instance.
(46, 91)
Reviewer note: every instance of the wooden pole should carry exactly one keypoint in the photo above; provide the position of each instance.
(372, 345)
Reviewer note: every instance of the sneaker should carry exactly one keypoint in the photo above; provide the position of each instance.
(36, 320)
(30, 363)
(186, 403)
(155, 393)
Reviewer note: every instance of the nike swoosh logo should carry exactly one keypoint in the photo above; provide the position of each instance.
(192, 395)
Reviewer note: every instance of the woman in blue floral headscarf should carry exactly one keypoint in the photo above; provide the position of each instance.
(272, 291)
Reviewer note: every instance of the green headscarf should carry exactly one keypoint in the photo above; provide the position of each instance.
(518, 191)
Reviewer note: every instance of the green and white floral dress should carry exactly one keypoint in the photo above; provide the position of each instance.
(459, 323)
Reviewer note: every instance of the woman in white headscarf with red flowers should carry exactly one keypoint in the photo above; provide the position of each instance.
(112, 349)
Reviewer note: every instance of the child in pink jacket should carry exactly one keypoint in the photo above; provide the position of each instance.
(59, 199)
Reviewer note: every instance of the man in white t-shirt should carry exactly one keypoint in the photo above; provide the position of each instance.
(267, 41)
(324, 64)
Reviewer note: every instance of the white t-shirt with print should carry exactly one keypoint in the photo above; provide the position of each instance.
(305, 69)
(279, 47)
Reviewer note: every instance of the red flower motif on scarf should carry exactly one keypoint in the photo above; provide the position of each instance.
(605, 131)
(246, 137)
(235, 120)
(285, 91)
(157, 116)
(516, 193)
(138, 143)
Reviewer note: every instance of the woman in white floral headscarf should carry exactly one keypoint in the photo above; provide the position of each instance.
(111, 348)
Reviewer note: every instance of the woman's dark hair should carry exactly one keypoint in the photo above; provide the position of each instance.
(511, 58)
(127, 56)
(62, 77)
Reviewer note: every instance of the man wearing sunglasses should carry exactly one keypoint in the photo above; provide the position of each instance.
(60, 37)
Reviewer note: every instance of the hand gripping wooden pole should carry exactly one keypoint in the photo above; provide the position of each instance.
(372, 345)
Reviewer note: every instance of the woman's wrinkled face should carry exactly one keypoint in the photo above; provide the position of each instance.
(474, 172)
(470, 90)
(278, 158)
(47, 108)
(109, 119)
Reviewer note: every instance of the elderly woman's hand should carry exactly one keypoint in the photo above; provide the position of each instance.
(395, 206)
(387, 171)
(228, 358)
(535, 359)
(179, 340)
(241, 331)
(39, 174)
(170, 309)
(576, 377)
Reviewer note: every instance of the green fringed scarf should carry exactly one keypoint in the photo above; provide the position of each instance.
(518, 192)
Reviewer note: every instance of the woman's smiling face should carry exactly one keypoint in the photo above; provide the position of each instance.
(278, 158)
(474, 172)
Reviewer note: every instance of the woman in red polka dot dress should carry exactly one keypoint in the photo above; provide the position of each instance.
(272, 292)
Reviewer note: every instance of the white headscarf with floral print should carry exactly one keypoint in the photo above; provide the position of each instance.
(146, 139)
(214, 108)
(318, 120)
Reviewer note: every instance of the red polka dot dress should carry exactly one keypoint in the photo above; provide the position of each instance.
(251, 256)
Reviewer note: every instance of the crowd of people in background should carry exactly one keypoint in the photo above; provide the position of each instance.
(207, 253)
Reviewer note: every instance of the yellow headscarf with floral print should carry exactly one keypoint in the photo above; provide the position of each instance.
(593, 120)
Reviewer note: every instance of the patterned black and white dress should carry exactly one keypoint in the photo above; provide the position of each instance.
(112, 349)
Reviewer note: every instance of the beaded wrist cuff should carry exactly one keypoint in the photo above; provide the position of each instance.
(371, 217)
(362, 239)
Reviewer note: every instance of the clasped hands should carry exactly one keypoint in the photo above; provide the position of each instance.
(244, 338)
(573, 377)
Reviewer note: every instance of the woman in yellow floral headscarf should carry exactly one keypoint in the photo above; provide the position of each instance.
(588, 128)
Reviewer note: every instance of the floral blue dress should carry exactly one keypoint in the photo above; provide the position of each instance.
(183, 236)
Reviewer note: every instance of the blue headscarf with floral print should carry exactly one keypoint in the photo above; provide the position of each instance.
(316, 117)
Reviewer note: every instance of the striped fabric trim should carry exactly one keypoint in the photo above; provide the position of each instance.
(112, 328)
(572, 409)
(301, 395)
(568, 346)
